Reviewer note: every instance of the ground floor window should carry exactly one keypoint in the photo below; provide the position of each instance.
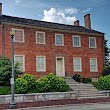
(20, 61)
(40, 63)
(77, 64)
(93, 65)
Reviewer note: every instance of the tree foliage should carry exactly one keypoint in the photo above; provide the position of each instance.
(6, 70)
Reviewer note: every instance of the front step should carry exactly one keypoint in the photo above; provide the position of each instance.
(84, 90)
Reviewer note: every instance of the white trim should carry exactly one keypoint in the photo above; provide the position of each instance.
(44, 37)
(23, 35)
(23, 60)
(79, 40)
(62, 40)
(63, 75)
(44, 64)
(80, 64)
(96, 65)
(95, 42)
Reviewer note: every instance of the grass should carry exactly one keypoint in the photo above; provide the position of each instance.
(4, 90)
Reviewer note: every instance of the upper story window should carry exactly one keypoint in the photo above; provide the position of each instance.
(92, 42)
(19, 35)
(77, 64)
(93, 65)
(76, 41)
(40, 37)
(20, 61)
(59, 39)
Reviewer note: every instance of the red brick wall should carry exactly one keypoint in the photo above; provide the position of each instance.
(30, 49)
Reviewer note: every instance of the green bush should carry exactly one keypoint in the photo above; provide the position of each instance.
(97, 85)
(86, 80)
(30, 80)
(77, 77)
(4, 90)
(6, 71)
(21, 86)
(51, 83)
(104, 82)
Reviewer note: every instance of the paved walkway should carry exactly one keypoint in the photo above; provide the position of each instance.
(95, 106)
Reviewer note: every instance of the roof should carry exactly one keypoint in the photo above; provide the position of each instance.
(38, 23)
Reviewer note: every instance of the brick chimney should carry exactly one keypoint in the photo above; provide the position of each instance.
(76, 23)
(0, 9)
(87, 21)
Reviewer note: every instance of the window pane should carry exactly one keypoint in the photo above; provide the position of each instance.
(77, 64)
(76, 41)
(19, 61)
(59, 39)
(18, 35)
(40, 38)
(40, 63)
(92, 42)
(93, 65)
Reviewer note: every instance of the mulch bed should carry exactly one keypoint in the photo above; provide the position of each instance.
(54, 102)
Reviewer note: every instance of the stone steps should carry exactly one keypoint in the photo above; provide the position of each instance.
(84, 90)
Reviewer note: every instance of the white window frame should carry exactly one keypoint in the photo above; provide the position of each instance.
(44, 64)
(79, 41)
(62, 39)
(96, 65)
(95, 42)
(23, 35)
(44, 37)
(23, 60)
(80, 64)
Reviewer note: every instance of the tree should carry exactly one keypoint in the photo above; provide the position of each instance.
(107, 59)
(107, 51)
(6, 70)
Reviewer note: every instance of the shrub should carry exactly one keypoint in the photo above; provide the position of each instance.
(30, 80)
(6, 70)
(77, 77)
(21, 85)
(104, 82)
(86, 80)
(51, 83)
(97, 85)
(4, 90)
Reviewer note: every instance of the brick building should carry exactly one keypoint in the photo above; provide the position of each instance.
(44, 47)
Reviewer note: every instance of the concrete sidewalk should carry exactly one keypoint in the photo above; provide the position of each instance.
(89, 106)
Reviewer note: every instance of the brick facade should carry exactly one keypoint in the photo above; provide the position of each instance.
(30, 49)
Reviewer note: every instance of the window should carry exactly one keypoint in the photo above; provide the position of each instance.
(93, 65)
(40, 37)
(19, 35)
(77, 64)
(59, 39)
(92, 42)
(40, 63)
(76, 41)
(19, 59)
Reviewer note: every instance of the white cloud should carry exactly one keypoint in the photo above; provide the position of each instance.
(71, 10)
(58, 16)
(17, 1)
(86, 10)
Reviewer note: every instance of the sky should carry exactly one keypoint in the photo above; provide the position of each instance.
(62, 11)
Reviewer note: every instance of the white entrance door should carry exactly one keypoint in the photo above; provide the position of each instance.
(60, 69)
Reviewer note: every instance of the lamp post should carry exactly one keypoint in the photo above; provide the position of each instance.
(12, 104)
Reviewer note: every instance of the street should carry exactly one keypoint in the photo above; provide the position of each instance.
(101, 106)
